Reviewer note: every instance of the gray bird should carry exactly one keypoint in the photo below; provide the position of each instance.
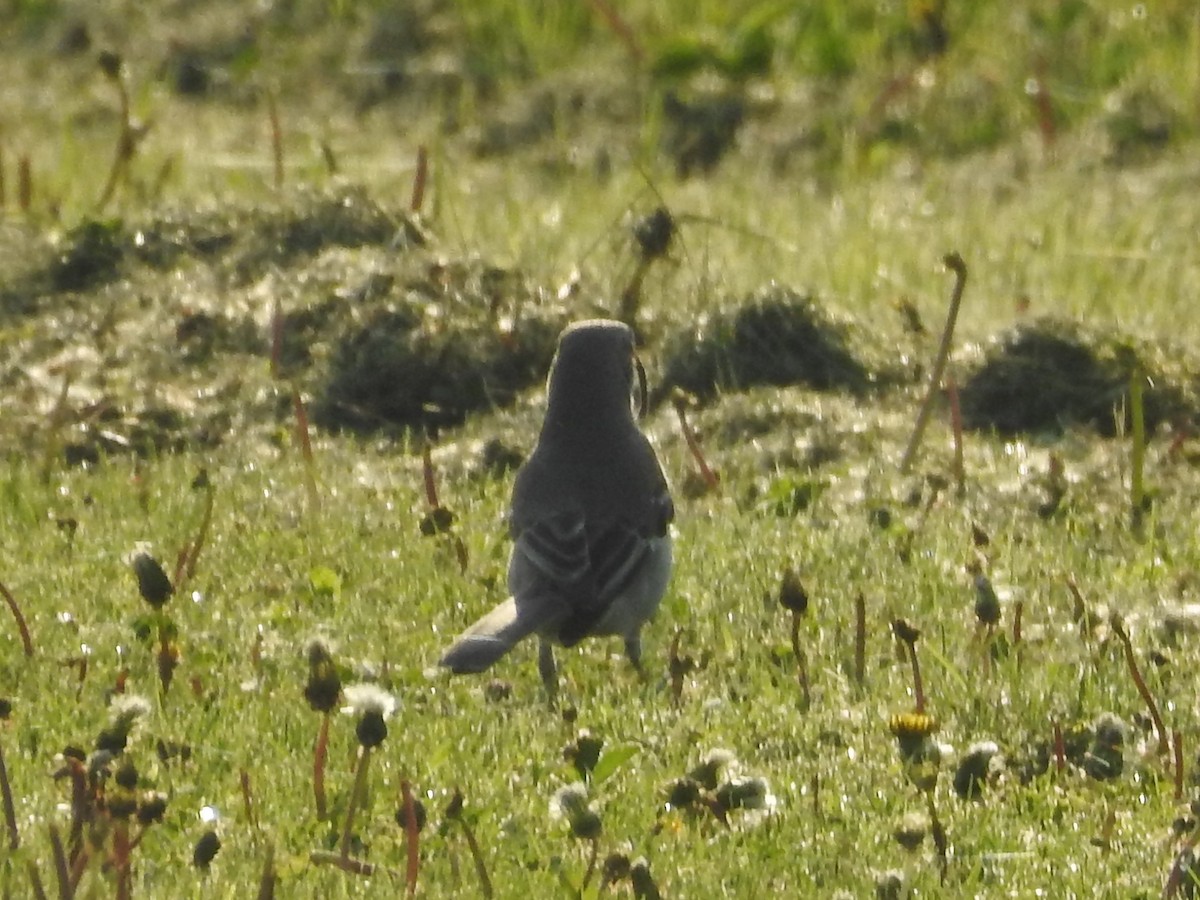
(590, 515)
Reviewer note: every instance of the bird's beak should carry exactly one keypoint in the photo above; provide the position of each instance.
(643, 394)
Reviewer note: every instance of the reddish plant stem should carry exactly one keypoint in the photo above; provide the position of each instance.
(1045, 108)
(303, 433)
(719, 812)
(78, 866)
(357, 791)
(80, 807)
(895, 88)
(485, 883)
(1175, 449)
(1147, 698)
(187, 564)
(120, 860)
(320, 754)
(955, 264)
(938, 832)
(331, 164)
(268, 879)
(860, 639)
(430, 476)
(918, 684)
(24, 183)
(10, 811)
(677, 668)
(137, 838)
(801, 663)
(248, 799)
(22, 627)
(276, 139)
(620, 28)
(411, 838)
(1177, 748)
(711, 479)
(1018, 614)
(66, 889)
(454, 811)
(1060, 749)
(35, 881)
(420, 178)
(276, 337)
(167, 659)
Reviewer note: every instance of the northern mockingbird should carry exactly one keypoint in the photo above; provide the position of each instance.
(590, 515)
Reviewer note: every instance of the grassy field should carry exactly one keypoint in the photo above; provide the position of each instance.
(231, 361)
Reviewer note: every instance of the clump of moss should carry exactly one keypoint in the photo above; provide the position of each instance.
(1050, 373)
(778, 337)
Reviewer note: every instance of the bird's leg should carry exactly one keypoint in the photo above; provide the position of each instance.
(633, 650)
(547, 669)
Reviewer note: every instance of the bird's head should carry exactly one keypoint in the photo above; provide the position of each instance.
(593, 376)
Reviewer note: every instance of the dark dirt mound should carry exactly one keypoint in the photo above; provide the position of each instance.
(245, 242)
(1048, 374)
(182, 329)
(777, 337)
(701, 130)
(156, 335)
(396, 372)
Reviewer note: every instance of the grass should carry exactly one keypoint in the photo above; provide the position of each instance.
(1094, 221)
(263, 589)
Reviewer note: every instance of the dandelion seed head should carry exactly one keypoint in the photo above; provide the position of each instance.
(366, 698)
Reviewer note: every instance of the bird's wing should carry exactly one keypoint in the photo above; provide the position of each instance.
(588, 565)
(616, 557)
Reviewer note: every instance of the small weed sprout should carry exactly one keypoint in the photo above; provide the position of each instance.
(111, 808)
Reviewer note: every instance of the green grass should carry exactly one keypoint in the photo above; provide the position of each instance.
(822, 190)
(400, 597)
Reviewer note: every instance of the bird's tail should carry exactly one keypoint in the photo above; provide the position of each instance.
(481, 645)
